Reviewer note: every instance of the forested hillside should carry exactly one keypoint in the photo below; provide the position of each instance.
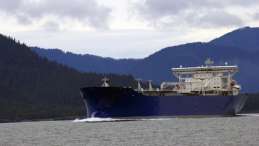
(32, 87)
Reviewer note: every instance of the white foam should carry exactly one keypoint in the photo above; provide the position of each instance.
(95, 119)
(250, 115)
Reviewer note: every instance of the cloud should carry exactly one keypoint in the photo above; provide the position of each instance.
(200, 13)
(51, 26)
(216, 18)
(84, 11)
(256, 16)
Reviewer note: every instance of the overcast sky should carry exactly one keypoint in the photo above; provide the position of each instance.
(122, 28)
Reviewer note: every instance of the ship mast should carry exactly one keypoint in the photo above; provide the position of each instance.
(105, 82)
(150, 88)
(139, 85)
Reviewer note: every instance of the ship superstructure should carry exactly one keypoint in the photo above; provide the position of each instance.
(202, 81)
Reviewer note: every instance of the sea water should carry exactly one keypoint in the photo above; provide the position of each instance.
(230, 131)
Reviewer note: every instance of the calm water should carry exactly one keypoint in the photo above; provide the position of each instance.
(230, 131)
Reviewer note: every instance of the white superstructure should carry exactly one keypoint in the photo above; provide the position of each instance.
(204, 80)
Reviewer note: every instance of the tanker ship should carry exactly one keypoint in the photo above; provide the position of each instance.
(205, 90)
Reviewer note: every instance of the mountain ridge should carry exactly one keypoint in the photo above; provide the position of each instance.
(227, 48)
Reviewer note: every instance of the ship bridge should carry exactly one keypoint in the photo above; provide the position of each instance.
(206, 79)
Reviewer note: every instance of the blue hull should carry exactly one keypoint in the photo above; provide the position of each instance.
(126, 103)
